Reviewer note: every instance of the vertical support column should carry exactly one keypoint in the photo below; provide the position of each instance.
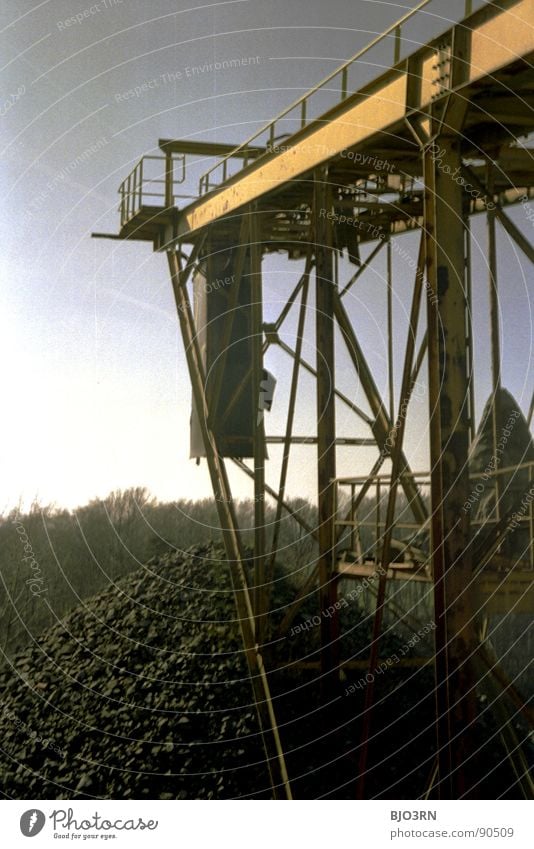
(259, 427)
(397, 437)
(495, 335)
(469, 326)
(449, 443)
(391, 382)
(231, 536)
(326, 429)
(397, 50)
(169, 180)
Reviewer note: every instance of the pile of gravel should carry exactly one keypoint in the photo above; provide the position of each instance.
(140, 692)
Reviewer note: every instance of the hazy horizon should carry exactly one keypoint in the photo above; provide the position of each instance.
(99, 395)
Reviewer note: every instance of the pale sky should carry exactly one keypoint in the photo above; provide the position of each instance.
(96, 389)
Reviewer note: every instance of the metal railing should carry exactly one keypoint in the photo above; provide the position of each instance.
(487, 490)
(144, 184)
(341, 74)
(375, 489)
(523, 515)
(138, 187)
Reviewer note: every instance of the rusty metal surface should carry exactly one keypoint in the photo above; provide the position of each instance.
(454, 94)
(232, 541)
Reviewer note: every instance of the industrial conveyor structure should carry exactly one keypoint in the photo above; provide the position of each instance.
(442, 135)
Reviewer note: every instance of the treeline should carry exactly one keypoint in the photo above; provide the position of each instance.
(52, 559)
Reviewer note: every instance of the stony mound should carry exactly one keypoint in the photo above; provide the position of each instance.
(132, 696)
(142, 692)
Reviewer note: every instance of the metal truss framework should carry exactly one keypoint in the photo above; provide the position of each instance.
(294, 201)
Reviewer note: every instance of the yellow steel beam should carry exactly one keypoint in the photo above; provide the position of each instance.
(369, 116)
(498, 36)
(506, 592)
